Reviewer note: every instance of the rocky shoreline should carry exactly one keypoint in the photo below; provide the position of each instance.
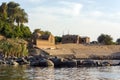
(68, 55)
(40, 61)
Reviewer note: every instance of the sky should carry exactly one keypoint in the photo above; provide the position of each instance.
(80, 17)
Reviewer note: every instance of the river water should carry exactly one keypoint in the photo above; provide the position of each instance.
(50, 73)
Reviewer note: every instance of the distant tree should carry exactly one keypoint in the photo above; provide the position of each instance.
(105, 39)
(37, 31)
(47, 32)
(118, 41)
(58, 39)
(42, 32)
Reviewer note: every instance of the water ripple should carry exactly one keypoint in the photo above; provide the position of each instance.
(50, 73)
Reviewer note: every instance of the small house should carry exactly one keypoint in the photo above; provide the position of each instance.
(43, 41)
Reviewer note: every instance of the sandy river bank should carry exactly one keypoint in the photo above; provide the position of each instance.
(85, 51)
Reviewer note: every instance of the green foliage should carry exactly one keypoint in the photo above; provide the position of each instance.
(13, 47)
(6, 30)
(58, 39)
(47, 32)
(17, 32)
(26, 33)
(10, 14)
(105, 39)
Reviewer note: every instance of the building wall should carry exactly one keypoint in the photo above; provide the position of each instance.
(85, 40)
(44, 44)
(51, 39)
(74, 39)
(70, 39)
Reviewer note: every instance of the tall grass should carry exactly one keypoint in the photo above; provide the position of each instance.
(13, 47)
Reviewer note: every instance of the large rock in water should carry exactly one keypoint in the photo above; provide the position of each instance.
(106, 63)
(42, 63)
(34, 63)
(2, 62)
(56, 61)
(69, 63)
(22, 61)
(12, 62)
(88, 63)
(50, 63)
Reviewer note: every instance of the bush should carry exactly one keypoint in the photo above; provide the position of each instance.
(105, 39)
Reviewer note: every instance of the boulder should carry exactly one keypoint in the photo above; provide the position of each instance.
(88, 63)
(79, 63)
(34, 63)
(42, 63)
(69, 63)
(12, 62)
(50, 63)
(22, 61)
(98, 63)
(31, 59)
(56, 61)
(2, 62)
(105, 63)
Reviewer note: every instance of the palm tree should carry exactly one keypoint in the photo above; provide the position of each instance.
(21, 16)
(12, 9)
(16, 14)
(3, 11)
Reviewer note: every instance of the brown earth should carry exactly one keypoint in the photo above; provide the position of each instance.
(84, 51)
